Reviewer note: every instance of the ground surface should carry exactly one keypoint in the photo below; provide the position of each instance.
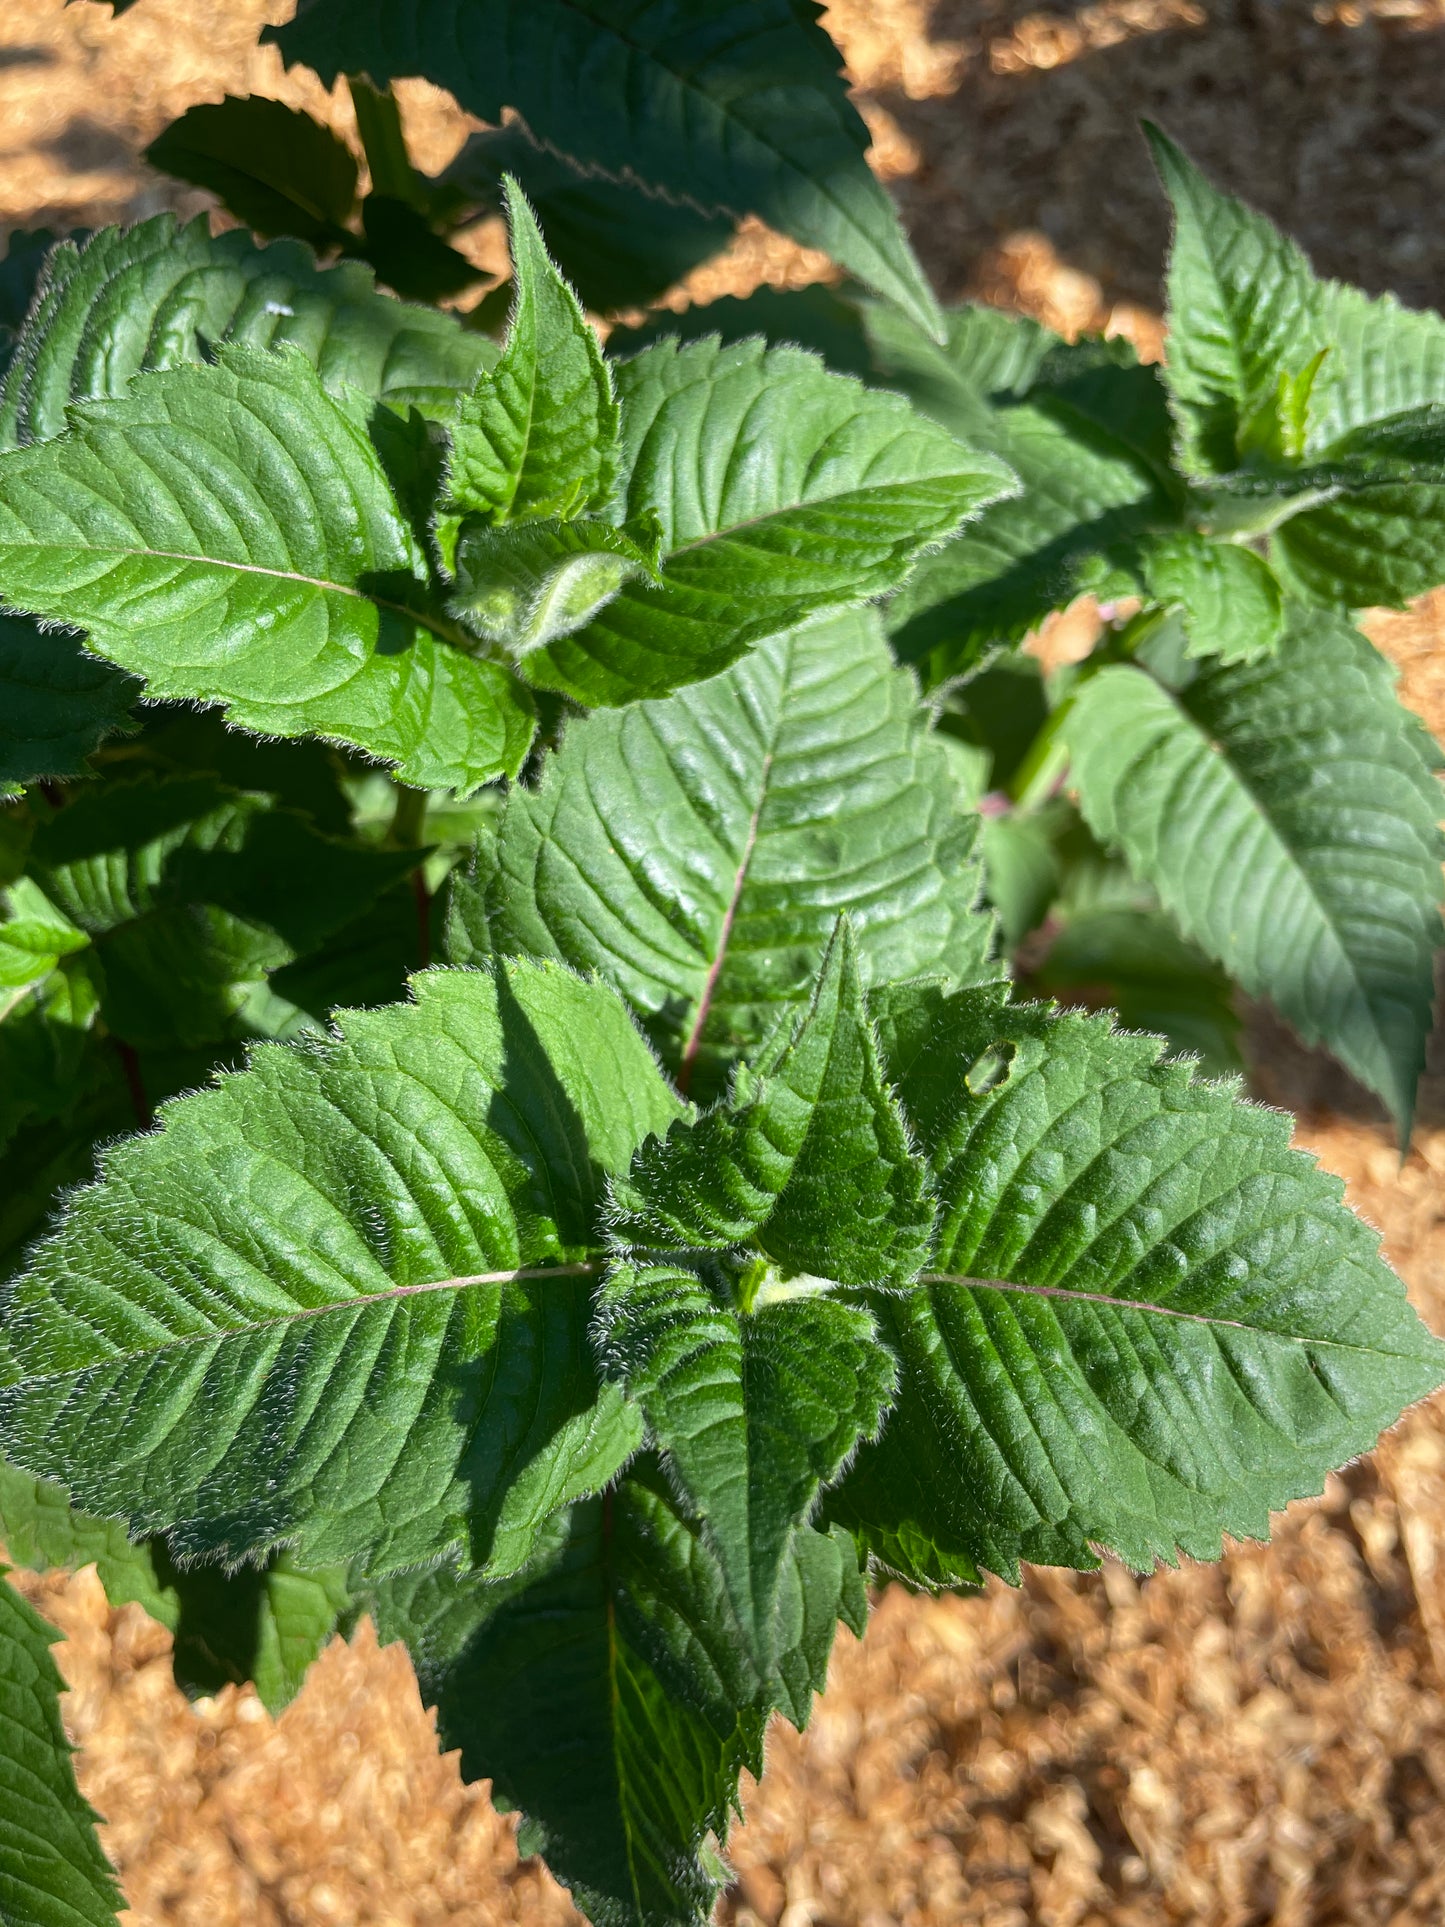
(1258, 1742)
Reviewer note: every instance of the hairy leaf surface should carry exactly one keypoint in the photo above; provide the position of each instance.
(754, 1413)
(336, 1302)
(538, 435)
(782, 491)
(265, 1626)
(1227, 596)
(1286, 813)
(190, 892)
(157, 295)
(1150, 1321)
(1321, 380)
(808, 1158)
(1242, 311)
(228, 533)
(736, 108)
(697, 851)
(606, 1691)
(52, 1871)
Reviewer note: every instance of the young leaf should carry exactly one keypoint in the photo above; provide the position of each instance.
(697, 852)
(783, 491)
(619, 246)
(1286, 814)
(52, 1871)
(1243, 310)
(538, 436)
(336, 1301)
(809, 1159)
(736, 108)
(57, 703)
(276, 169)
(1151, 1323)
(754, 1413)
(1227, 596)
(228, 533)
(523, 587)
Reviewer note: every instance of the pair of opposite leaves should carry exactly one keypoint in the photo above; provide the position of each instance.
(234, 532)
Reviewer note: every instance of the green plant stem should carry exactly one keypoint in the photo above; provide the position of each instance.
(408, 823)
(378, 121)
(1044, 763)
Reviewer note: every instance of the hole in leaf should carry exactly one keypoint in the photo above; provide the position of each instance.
(989, 1069)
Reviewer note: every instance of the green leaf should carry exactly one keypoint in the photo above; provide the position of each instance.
(820, 318)
(190, 892)
(306, 775)
(228, 533)
(783, 491)
(697, 852)
(52, 1871)
(412, 260)
(1286, 814)
(367, 961)
(736, 108)
(1136, 962)
(754, 1412)
(25, 252)
(1380, 542)
(39, 1529)
(158, 295)
(607, 1693)
(266, 1626)
(337, 1302)
(1084, 430)
(1151, 1322)
(538, 436)
(34, 936)
(275, 168)
(42, 1043)
(564, 1688)
(1243, 311)
(1227, 596)
(57, 703)
(1386, 363)
(1022, 871)
(809, 1159)
(619, 246)
(122, 849)
(524, 587)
